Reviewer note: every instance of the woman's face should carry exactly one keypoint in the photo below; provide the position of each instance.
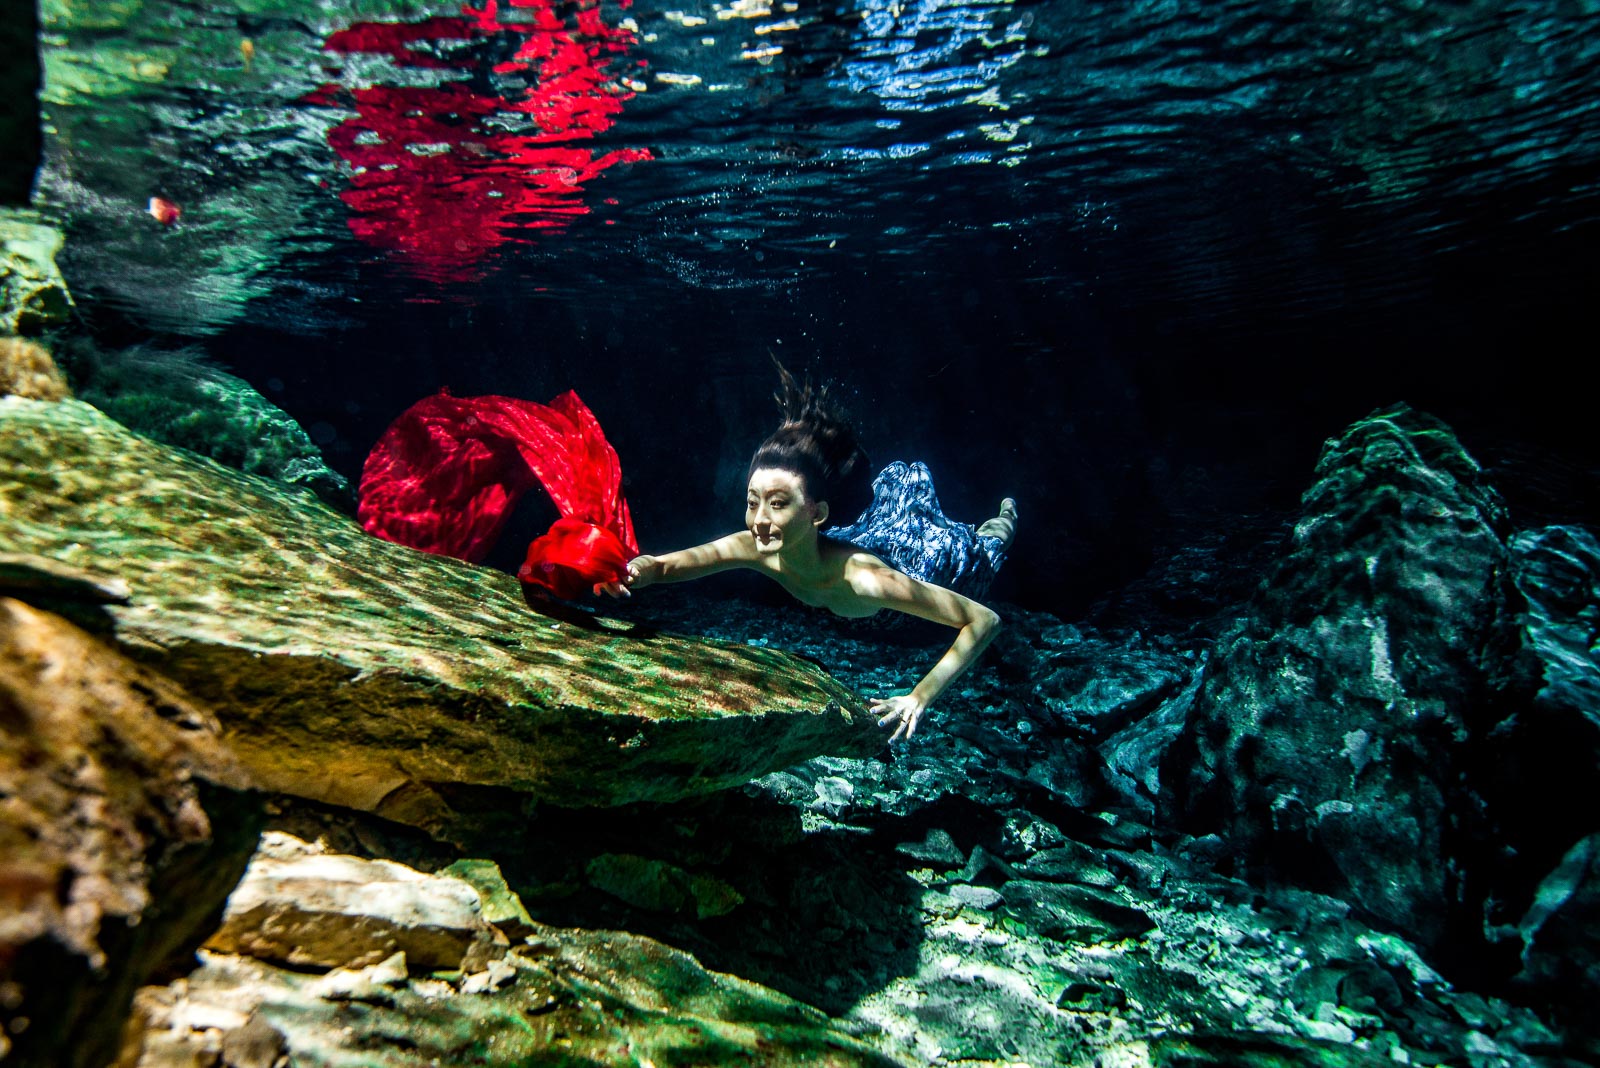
(777, 511)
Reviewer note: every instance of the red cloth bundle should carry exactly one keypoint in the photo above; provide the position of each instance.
(446, 474)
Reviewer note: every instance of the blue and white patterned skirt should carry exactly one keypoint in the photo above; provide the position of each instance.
(905, 526)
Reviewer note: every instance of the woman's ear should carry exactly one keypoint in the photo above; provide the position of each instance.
(819, 513)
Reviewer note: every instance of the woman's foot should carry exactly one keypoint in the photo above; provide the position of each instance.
(1002, 526)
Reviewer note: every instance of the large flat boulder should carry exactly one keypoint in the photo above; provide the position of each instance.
(353, 671)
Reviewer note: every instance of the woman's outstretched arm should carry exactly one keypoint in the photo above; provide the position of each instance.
(878, 584)
(735, 550)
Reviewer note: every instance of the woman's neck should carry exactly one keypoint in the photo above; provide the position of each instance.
(803, 563)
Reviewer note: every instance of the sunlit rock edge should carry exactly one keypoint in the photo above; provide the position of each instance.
(350, 670)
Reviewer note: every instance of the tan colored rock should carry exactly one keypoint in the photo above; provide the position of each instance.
(365, 674)
(600, 999)
(300, 906)
(557, 997)
(124, 823)
(27, 370)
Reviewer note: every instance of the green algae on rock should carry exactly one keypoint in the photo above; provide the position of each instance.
(361, 673)
(563, 998)
(33, 295)
(180, 398)
(414, 972)
(1329, 740)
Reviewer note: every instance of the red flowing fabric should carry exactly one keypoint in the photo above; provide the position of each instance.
(446, 474)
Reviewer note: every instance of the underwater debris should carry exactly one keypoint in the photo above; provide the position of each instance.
(164, 211)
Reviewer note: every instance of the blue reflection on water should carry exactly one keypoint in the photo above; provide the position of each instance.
(929, 54)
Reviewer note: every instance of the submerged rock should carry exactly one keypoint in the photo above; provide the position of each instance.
(301, 907)
(179, 398)
(361, 673)
(33, 295)
(1561, 930)
(1540, 767)
(1327, 741)
(26, 370)
(555, 996)
(124, 824)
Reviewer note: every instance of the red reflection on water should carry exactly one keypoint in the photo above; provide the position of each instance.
(432, 178)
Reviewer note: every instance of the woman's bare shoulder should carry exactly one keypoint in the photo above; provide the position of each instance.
(866, 573)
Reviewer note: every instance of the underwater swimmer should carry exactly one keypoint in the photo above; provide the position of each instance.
(812, 466)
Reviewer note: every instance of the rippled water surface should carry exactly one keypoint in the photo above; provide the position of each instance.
(1234, 155)
(1120, 260)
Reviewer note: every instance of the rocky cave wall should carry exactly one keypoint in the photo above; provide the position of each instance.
(20, 132)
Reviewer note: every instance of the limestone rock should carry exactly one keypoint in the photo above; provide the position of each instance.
(124, 823)
(361, 673)
(1326, 742)
(501, 907)
(1541, 766)
(661, 887)
(1070, 913)
(178, 397)
(33, 295)
(26, 370)
(299, 906)
(1093, 687)
(1557, 571)
(559, 997)
(1561, 931)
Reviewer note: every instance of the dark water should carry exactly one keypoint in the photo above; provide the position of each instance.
(1129, 263)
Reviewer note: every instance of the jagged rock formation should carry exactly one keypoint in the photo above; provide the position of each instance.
(1327, 739)
(365, 674)
(1540, 766)
(1406, 718)
(124, 824)
(452, 988)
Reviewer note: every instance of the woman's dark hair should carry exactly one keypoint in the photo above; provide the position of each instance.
(817, 442)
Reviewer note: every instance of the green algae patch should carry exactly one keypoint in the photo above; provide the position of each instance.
(565, 997)
(33, 294)
(353, 671)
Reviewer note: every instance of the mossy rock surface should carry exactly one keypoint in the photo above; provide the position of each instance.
(33, 295)
(350, 670)
(564, 998)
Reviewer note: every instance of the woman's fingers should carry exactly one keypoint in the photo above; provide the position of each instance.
(895, 708)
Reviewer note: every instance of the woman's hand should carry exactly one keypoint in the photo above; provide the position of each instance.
(904, 710)
(642, 571)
